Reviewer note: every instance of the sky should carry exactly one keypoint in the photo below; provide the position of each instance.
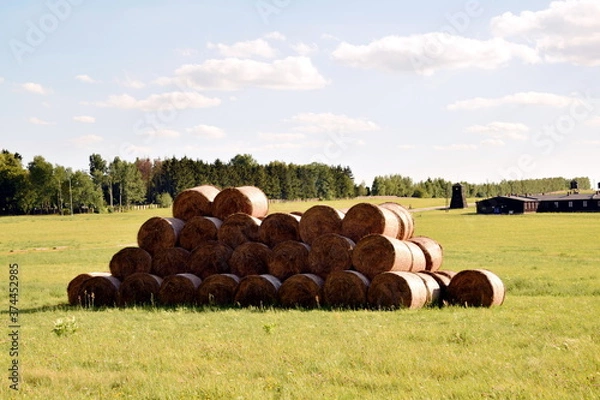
(475, 91)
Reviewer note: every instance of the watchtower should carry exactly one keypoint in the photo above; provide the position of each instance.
(459, 200)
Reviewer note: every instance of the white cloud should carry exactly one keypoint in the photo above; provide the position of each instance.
(291, 73)
(162, 133)
(186, 52)
(430, 52)
(206, 131)
(35, 88)
(456, 147)
(131, 83)
(304, 49)
(1, 80)
(327, 36)
(501, 130)
(86, 79)
(406, 146)
(275, 36)
(38, 121)
(328, 122)
(493, 142)
(86, 140)
(281, 136)
(589, 142)
(85, 119)
(163, 101)
(521, 98)
(246, 49)
(566, 31)
(593, 122)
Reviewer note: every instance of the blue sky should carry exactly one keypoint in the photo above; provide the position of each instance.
(463, 90)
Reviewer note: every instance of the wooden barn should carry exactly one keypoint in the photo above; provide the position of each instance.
(570, 202)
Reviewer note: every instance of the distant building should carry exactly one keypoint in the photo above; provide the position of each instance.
(459, 200)
(543, 203)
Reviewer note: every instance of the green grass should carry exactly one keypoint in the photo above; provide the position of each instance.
(543, 343)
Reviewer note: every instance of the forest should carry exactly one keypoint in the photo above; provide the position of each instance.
(41, 187)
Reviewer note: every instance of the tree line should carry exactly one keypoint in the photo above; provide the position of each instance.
(41, 187)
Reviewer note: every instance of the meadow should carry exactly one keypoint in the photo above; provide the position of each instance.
(542, 343)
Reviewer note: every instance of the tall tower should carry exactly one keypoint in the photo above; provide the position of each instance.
(458, 197)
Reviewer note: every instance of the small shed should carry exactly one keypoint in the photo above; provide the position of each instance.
(507, 205)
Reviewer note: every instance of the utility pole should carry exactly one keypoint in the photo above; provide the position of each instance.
(71, 195)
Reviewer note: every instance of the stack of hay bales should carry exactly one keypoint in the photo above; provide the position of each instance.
(222, 248)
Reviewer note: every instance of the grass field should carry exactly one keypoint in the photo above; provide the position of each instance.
(543, 343)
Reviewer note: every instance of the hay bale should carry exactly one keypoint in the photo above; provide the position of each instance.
(476, 288)
(197, 230)
(434, 291)
(139, 288)
(378, 253)
(288, 258)
(397, 289)
(217, 290)
(75, 284)
(210, 258)
(129, 260)
(246, 199)
(99, 291)
(302, 290)
(406, 221)
(250, 258)
(319, 220)
(196, 201)
(330, 252)
(443, 281)
(170, 262)
(159, 233)
(345, 289)
(179, 289)
(363, 219)
(257, 290)
(433, 252)
(419, 262)
(279, 227)
(239, 228)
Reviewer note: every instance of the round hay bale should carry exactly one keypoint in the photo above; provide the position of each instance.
(433, 252)
(443, 281)
(197, 230)
(139, 288)
(170, 262)
(257, 290)
(246, 199)
(419, 261)
(406, 221)
(159, 233)
(217, 290)
(363, 219)
(378, 253)
(319, 220)
(434, 291)
(130, 260)
(99, 291)
(279, 227)
(476, 288)
(250, 258)
(302, 290)
(239, 228)
(330, 252)
(196, 201)
(288, 258)
(445, 272)
(397, 289)
(345, 289)
(179, 289)
(210, 258)
(75, 284)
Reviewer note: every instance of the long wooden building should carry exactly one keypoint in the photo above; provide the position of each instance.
(570, 202)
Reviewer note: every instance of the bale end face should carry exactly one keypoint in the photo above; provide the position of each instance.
(476, 288)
